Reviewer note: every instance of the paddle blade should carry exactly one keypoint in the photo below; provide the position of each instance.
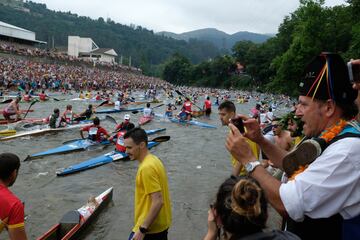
(6, 101)
(135, 112)
(110, 119)
(160, 105)
(160, 139)
(55, 99)
(104, 102)
(82, 118)
(180, 93)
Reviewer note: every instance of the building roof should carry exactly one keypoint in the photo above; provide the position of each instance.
(107, 51)
(14, 27)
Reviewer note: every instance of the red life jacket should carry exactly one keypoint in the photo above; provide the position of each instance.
(42, 96)
(27, 98)
(120, 141)
(187, 106)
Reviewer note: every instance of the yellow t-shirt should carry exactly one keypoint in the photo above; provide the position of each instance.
(256, 151)
(151, 177)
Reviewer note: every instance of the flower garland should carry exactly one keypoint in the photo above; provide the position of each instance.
(328, 134)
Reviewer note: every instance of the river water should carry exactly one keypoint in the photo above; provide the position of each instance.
(195, 159)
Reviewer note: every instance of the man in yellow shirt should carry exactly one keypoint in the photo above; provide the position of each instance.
(152, 198)
(227, 111)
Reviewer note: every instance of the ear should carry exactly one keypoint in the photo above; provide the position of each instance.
(143, 145)
(330, 108)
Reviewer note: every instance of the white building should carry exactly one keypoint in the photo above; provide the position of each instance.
(86, 48)
(10, 32)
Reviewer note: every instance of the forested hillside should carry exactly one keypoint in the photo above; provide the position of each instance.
(147, 50)
(277, 64)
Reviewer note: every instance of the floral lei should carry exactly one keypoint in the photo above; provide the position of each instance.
(328, 134)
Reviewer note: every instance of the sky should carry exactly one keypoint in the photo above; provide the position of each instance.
(178, 16)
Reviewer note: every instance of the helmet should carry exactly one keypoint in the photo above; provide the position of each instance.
(127, 117)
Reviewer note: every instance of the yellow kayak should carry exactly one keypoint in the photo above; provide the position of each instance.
(7, 132)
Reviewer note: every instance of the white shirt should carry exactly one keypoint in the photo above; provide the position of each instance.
(117, 105)
(270, 116)
(330, 185)
(147, 112)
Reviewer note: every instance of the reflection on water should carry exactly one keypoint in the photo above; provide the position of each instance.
(192, 188)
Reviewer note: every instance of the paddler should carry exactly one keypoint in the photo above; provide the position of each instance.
(148, 112)
(55, 121)
(122, 129)
(43, 96)
(81, 95)
(187, 105)
(125, 125)
(27, 97)
(98, 96)
(95, 131)
(118, 103)
(207, 106)
(88, 112)
(68, 115)
(12, 109)
(169, 110)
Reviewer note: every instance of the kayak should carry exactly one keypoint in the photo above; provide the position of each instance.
(7, 132)
(197, 113)
(144, 120)
(74, 222)
(21, 111)
(44, 129)
(79, 145)
(4, 121)
(145, 102)
(105, 111)
(184, 122)
(98, 161)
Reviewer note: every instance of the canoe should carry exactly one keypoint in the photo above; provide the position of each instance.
(145, 102)
(144, 120)
(107, 111)
(21, 111)
(74, 222)
(98, 161)
(184, 122)
(79, 145)
(7, 132)
(44, 129)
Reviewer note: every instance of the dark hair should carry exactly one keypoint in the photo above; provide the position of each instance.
(208, 98)
(8, 163)
(138, 135)
(241, 206)
(96, 121)
(148, 105)
(56, 110)
(90, 106)
(228, 106)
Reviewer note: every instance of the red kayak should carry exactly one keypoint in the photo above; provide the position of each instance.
(22, 111)
(144, 120)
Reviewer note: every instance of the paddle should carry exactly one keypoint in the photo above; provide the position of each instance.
(6, 101)
(78, 119)
(160, 139)
(110, 119)
(137, 111)
(101, 104)
(32, 103)
(180, 93)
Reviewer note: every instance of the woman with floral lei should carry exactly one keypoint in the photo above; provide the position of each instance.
(324, 196)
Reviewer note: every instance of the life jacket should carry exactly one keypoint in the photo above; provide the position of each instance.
(93, 133)
(42, 96)
(207, 104)
(27, 97)
(187, 106)
(88, 113)
(120, 141)
(333, 227)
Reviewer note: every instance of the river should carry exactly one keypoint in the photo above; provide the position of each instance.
(195, 159)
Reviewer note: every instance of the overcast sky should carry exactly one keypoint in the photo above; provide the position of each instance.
(261, 16)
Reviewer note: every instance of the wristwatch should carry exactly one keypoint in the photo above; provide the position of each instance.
(143, 230)
(250, 166)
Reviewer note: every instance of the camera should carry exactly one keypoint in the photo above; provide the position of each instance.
(354, 72)
(238, 122)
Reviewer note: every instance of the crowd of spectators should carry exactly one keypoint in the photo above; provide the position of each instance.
(32, 74)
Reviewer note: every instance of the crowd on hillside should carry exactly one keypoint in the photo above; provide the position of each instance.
(34, 75)
(26, 50)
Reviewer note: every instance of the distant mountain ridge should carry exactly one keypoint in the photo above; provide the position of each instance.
(220, 39)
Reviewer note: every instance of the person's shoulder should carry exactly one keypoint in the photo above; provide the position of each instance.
(8, 196)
